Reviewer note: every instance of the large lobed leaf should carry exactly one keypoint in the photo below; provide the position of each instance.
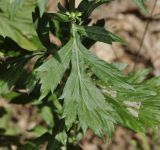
(134, 103)
(91, 105)
(83, 99)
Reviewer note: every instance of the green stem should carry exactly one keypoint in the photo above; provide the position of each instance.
(73, 30)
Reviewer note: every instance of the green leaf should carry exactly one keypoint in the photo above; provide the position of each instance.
(79, 90)
(54, 69)
(140, 93)
(141, 4)
(71, 5)
(39, 130)
(9, 95)
(20, 28)
(143, 89)
(31, 81)
(42, 6)
(59, 136)
(4, 89)
(99, 34)
(62, 137)
(120, 66)
(83, 99)
(149, 112)
(125, 118)
(154, 83)
(150, 106)
(11, 72)
(35, 144)
(13, 7)
(29, 146)
(137, 76)
(59, 142)
(61, 17)
(11, 29)
(46, 114)
(106, 72)
(139, 107)
(41, 24)
(62, 8)
(88, 6)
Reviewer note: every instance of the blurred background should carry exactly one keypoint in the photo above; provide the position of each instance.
(141, 31)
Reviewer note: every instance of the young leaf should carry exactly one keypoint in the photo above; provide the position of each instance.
(99, 34)
(46, 114)
(88, 6)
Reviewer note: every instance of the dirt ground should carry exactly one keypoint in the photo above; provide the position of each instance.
(142, 33)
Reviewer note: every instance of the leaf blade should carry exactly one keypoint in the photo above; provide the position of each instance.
(99, 34)
(54, 69)
(89, 104)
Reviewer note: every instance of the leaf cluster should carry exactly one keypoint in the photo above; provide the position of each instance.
(72, 84)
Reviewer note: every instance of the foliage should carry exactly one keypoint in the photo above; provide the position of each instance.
(16, 23)
(73, 89)
(141, 4)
